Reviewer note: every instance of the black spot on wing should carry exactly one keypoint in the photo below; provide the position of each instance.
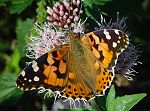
(91, 38)
(59, 75)
(56, 63)
(54, 54)
(101, 56)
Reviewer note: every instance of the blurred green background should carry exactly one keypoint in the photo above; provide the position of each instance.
(16, 20)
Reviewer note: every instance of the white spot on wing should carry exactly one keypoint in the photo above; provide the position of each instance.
(36, 69)
(114, 44)
(25, 79)
(119, 37)
(118, 41)
(23, 73)
(117, 32)
(34, 66)
(36, 78)
(107, 34)
(30, 80)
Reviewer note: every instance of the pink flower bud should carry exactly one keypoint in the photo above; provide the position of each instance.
(68, 21)
(71, 8)
(78, 2)
(71, 17)
(75, 10)
(75, 2)
(57, 4)
(56, 9)
(67, 5)
(76, 18)
(55, 16)
(66, 26)
(61, 24)
(49, 18)
(50, 10)
(72, 24)
(55, 23)
(50, 23)
(66, 14)
(65, 17)
(61, 12)
(60, 18)
(61, 7)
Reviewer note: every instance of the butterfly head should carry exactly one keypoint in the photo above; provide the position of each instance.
(73, 36)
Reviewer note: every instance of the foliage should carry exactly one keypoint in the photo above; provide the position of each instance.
(22, 31)
(16, 6)
(124, 103)
(41, 11)
(9, 92)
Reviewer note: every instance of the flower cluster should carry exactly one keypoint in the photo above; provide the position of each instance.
(64, 14)
(119, 23)
(126, 61)
(47, 39)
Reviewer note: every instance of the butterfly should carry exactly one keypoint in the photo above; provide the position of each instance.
(81, 69)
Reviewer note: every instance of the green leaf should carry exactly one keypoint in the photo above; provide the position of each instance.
(12, 65)
(17, 6)
(125, 103)
(94, 6)
(9, 93)
(4, 45)
(89, 3)
(41, 11)
(100, 103)
(3, 2)
(22, 31)
(110, 97)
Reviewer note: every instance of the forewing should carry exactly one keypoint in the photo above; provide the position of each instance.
(106, 45)
(48, 71)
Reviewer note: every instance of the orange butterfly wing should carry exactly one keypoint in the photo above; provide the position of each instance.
(48, 71)
(106, 45)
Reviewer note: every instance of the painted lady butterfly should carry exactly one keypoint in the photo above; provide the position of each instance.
(82, 69)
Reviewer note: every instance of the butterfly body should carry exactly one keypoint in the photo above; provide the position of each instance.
(81, 61)
(82, 69)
